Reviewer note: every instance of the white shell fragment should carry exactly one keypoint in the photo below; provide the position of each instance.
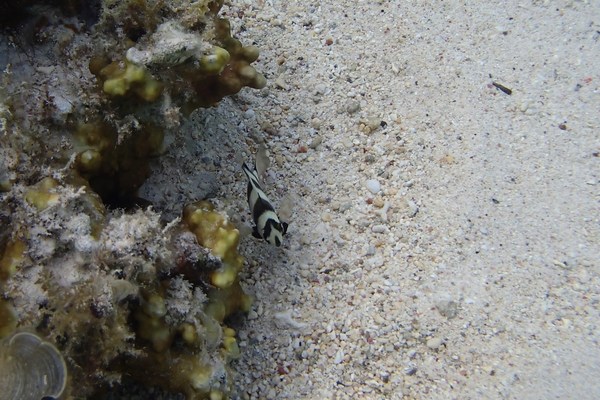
(373, 186)
(285, 320)
(31, 368)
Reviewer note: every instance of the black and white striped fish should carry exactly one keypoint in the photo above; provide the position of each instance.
(267, 223)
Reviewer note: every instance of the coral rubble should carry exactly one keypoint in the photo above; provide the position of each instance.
(85, 263)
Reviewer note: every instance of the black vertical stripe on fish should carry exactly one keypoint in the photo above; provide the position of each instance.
(267, 223)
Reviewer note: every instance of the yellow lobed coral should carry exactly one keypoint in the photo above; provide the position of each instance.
(186, 46)
(122, 78)
(216, 233)
(42, 195)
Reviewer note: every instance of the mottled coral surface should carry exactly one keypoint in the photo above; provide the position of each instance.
(88, 95)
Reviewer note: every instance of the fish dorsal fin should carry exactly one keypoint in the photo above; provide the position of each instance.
(251, 174)
(261, 162)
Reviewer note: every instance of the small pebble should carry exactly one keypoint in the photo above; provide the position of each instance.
(370, 250)
(339, 356)
(447, 308)
(320, 89)
(378, 228)
(345, 207)
(413, 209)
(280, 82)
(434, 343)
(524, 106)
(378, 202)
(373, 186)
(324, 199)
(352, 106)
(316, 142)
(370, 158)
(370, 124)
(376, 262)
(249, 114)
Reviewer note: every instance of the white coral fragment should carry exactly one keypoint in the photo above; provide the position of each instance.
(170, 45)
(284, 319)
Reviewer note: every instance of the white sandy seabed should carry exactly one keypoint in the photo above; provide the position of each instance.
(445, 239)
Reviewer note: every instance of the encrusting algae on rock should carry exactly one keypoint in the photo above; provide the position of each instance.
(123, 297)
(85, 265)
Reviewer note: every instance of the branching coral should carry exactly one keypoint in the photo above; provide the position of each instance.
(180, 49)
(120, 79)
(112, 288)
(195, 59)
(115, 299)
(148, 62)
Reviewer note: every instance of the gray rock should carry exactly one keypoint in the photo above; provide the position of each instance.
(434, 343)
(352, 107)
(447, 308)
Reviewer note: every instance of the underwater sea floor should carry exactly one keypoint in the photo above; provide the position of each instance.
(438, 165)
